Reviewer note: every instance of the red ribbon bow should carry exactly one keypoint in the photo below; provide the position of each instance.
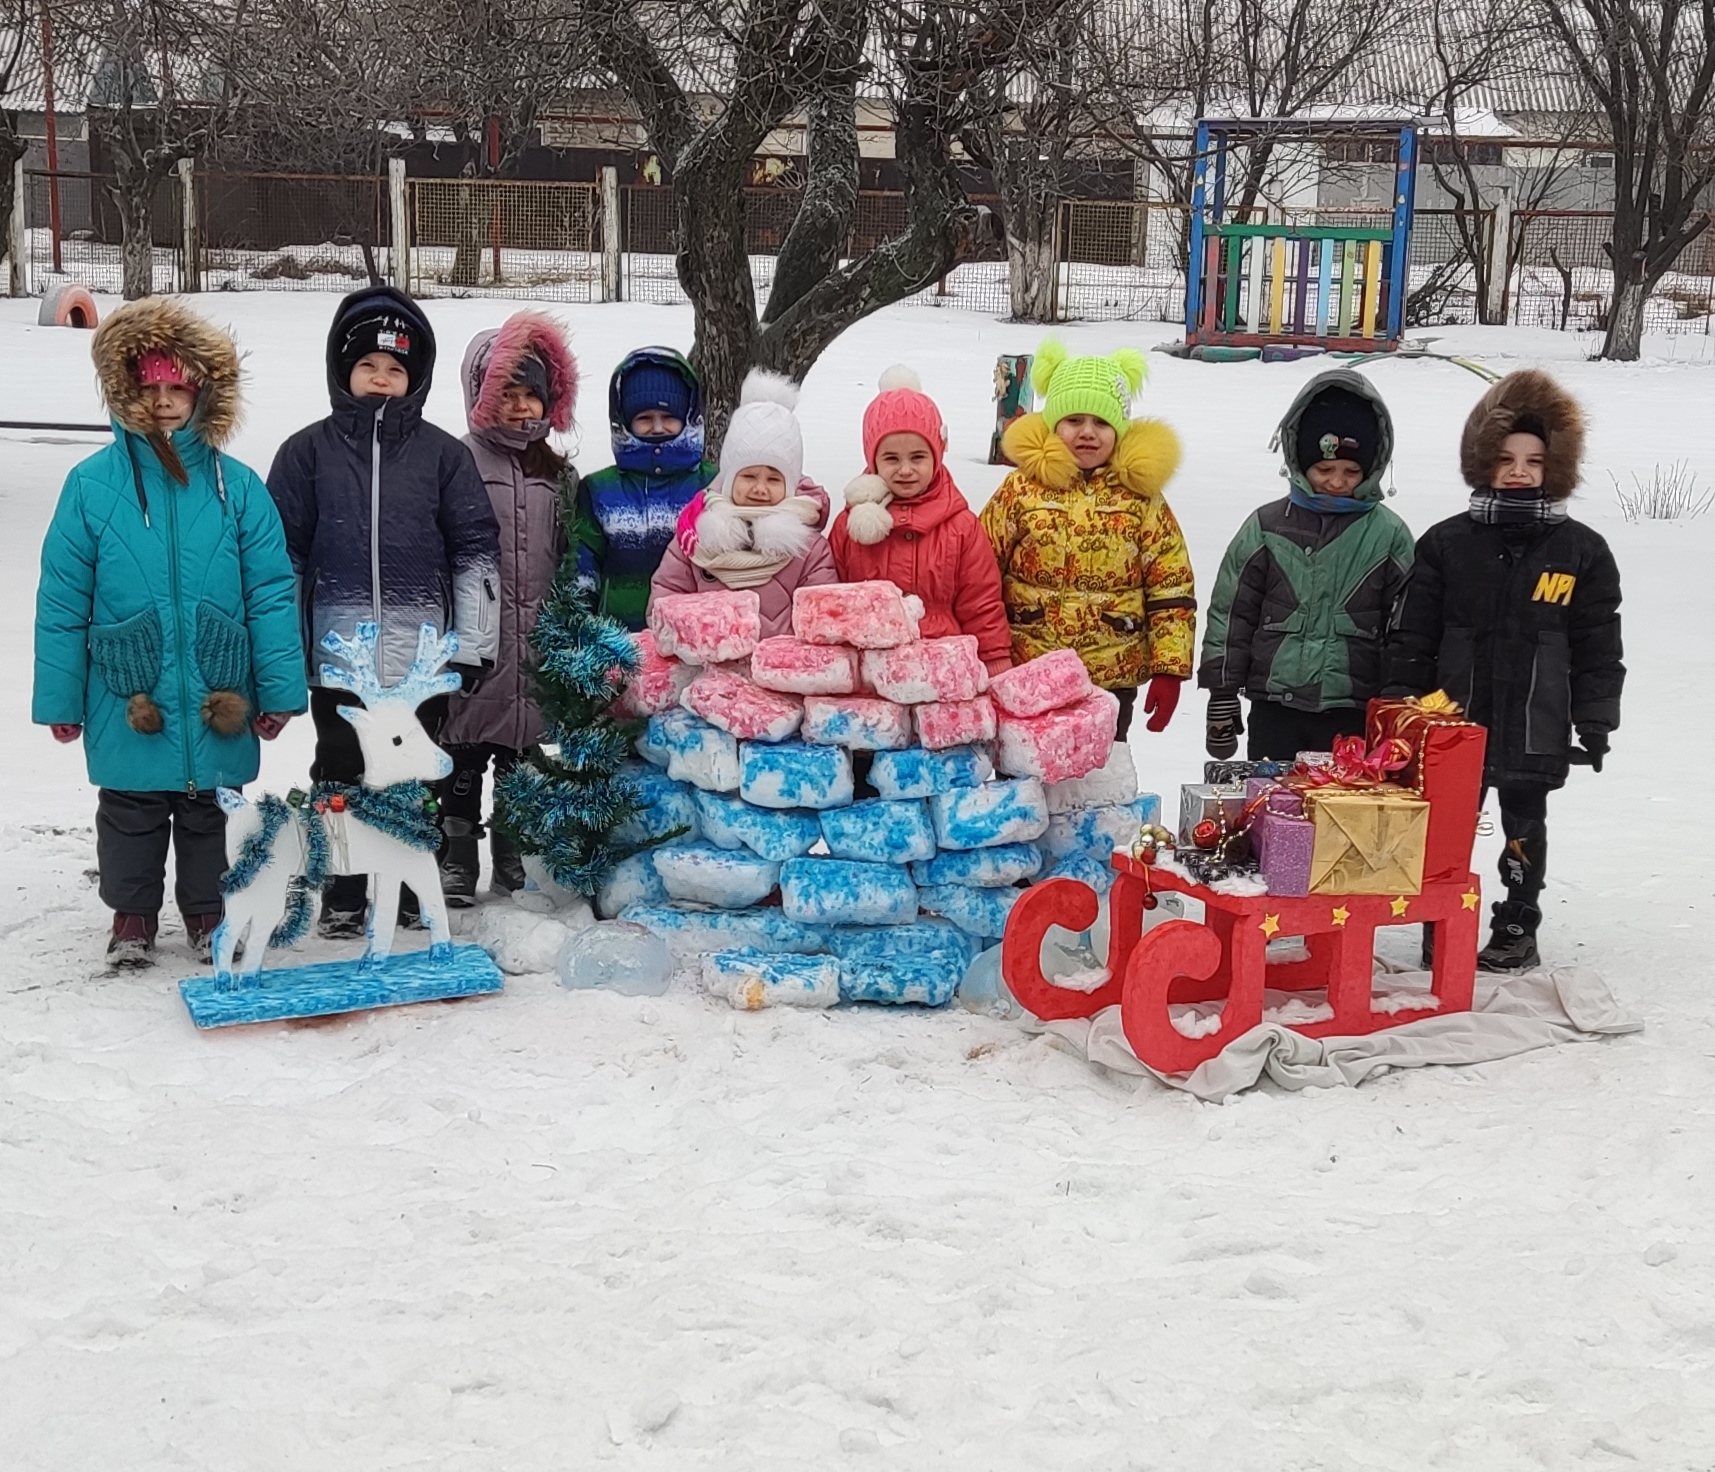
(1356, 765)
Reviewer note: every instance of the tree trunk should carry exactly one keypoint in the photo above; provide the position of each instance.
(1033, 265)
(137, 237)
(714, 269)
(467, 255)
(818, 238)
(11, 150)
(1624, 340)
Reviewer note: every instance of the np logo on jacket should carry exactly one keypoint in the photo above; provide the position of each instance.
(1554, 587)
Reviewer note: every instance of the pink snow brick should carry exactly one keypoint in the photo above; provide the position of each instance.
(724, 698)
(866, 615)
(926, 670)
(789, 664)
(707, 628)
(858, 722)
(944, 723)
(659, 682)
(1072, 741)
(1046, 683)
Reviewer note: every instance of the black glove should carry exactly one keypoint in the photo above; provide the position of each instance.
(1590, 753)
(471, 677)
(1225, 724)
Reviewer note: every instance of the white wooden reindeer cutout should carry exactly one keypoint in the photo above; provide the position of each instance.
(269, 845)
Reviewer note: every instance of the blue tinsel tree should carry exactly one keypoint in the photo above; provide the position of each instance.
(564, 807)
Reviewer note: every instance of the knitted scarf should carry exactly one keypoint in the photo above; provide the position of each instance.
(1496, 508)
(1337, 505)
(745, 546)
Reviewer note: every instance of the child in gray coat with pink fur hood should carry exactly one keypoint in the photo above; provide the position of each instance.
(759, 523)
(520, 385)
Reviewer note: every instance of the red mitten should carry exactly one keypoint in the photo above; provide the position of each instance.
(1160, 701)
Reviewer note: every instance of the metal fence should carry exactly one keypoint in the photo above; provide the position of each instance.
(1115, 259)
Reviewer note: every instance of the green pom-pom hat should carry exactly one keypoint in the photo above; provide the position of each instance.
(1103, 387)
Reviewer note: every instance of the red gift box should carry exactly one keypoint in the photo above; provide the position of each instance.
(1446, 771)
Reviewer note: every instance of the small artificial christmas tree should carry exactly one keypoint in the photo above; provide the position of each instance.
(564, 808)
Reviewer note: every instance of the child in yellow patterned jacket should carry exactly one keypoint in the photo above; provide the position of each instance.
(1091, 556)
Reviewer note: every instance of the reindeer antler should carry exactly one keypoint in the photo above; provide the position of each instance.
(361, 656)
(359, 676)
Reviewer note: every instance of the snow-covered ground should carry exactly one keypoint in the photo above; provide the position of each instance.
(551, 1230)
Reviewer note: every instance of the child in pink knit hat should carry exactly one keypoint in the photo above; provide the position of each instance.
(905, 522)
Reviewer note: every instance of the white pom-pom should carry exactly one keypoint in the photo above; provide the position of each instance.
(869, 522)
(763, 387)
(721, 529)
(914, 606)
(866, 490)
(781, 534)
(899, 376)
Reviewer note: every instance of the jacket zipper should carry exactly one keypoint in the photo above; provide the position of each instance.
(375, 531)
(179, 633)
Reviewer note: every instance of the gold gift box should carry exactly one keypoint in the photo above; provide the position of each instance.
(1368, 840)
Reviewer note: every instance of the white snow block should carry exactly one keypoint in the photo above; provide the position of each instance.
(927, 669)
(707, 628)
(769, 833)
(863, 615)
(1071, 741)
(995, 813)
(657, 684)
(876, 831)
(1115, 781)
(689, 930)
(698, 753)
(667, 806)
(839, 892)
(856, 722)
(521, 942)
(702, 874)
(752, 979)
(917, 772)
(944, 723)
(794, 775)
(1099, 831)
(630, 882)
(985, 868)
(790, 665)
(1045, 683)
(976, 911)
(725, 698)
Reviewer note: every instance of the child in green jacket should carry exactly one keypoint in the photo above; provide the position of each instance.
(1301, 607)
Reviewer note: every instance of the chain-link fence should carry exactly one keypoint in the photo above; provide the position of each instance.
(505, 238)
(75, 233)
(1565, 279)
(291, 232)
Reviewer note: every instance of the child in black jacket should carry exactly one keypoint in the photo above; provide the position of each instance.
(1513, 609)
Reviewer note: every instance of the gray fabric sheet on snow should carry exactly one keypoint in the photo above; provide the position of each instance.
(1512, 1014)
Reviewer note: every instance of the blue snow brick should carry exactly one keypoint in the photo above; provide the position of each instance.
(706, 875)
(879, 832)
(1099, 876)
(925, 936)
(730, 822)
(667, 805)
(819, 891)
(995, 813)
(687, 928)
(794, 774)
(632, 881)
(914, 772)
(698, 753)
(652, 739)
(988, 868)
(751, 979)
(1099, 831)
(976, 911)
(927, 981)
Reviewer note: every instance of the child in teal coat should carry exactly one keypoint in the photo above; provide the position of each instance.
(166, 620)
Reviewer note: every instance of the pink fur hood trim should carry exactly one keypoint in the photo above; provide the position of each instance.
(495, 353)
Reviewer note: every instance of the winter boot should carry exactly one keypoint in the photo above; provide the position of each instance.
(460, 861)
(1512, 940)
(132, 944)
(345, 908)
(199, 936)
(508, 876)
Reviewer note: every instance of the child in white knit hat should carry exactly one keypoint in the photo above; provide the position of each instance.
(759, 523)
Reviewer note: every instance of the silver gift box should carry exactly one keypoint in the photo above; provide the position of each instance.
(1217, 801)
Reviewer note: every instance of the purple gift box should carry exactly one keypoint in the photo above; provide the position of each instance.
(1282, 801)
(1284, 844)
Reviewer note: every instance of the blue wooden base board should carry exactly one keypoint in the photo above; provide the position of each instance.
(342, 986)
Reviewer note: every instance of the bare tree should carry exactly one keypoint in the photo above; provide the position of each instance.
(1650, 65)
(763, 60)
(15, 16)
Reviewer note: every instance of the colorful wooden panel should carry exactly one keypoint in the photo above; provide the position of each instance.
(1277, 284)
(1373, 283)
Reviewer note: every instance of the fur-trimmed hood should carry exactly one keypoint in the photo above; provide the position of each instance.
(1526, 396)
(1144, 458)
(495, 353)
(208, 355)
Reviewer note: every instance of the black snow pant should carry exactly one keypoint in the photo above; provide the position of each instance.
(339, 758)
(461, 794)
(1278, 733)
(132, 831)
(1524, 825)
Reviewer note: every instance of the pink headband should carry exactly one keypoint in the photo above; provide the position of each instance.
(156, 366)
